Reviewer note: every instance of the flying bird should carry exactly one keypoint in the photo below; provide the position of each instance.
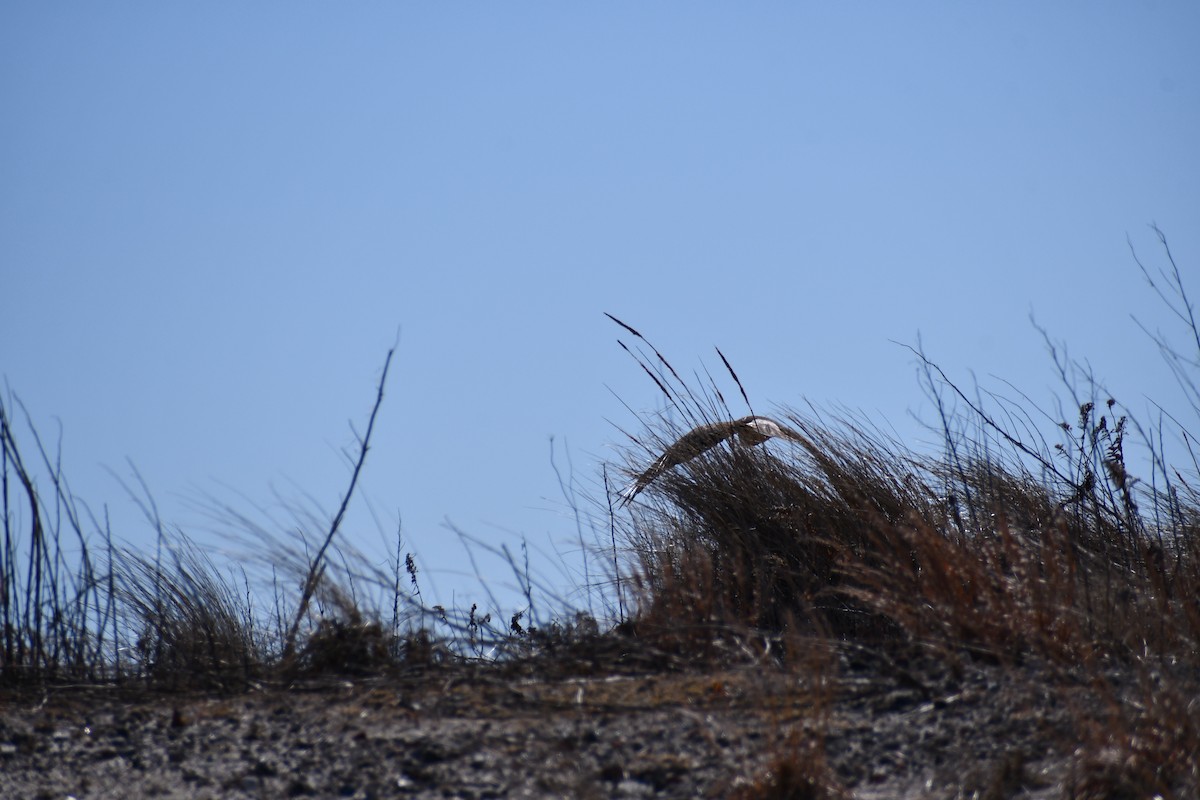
(750, 431)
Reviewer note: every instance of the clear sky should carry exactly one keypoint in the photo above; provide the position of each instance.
(215, 217)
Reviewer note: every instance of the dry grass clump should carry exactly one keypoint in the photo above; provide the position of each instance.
(71, 613)
(1148, 746)
(855, 538)
(799, 772)
(350, 646)
(169, 618)
(1009, 546)
(744, 536)
(193, 630)
(851, 535)
(57, 605)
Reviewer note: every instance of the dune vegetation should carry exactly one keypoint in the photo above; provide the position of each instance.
(1030, 549)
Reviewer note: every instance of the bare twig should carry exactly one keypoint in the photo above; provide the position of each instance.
(316, 568)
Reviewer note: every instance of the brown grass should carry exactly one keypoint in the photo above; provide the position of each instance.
(1013, 546)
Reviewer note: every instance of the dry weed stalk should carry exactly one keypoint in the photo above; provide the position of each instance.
(317, 566)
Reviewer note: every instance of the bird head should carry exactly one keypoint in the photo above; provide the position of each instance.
(756, 430)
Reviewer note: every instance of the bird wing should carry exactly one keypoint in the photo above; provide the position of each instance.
(691, 444)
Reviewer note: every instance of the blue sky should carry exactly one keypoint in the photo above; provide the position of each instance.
(214, 219)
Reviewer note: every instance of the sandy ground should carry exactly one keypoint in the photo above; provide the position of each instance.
(887, 730)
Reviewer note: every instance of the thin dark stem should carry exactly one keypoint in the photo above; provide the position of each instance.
(316, 568)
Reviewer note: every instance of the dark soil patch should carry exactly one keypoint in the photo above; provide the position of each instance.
(886, 729)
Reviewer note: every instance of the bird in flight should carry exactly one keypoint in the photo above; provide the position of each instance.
(750, 431)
